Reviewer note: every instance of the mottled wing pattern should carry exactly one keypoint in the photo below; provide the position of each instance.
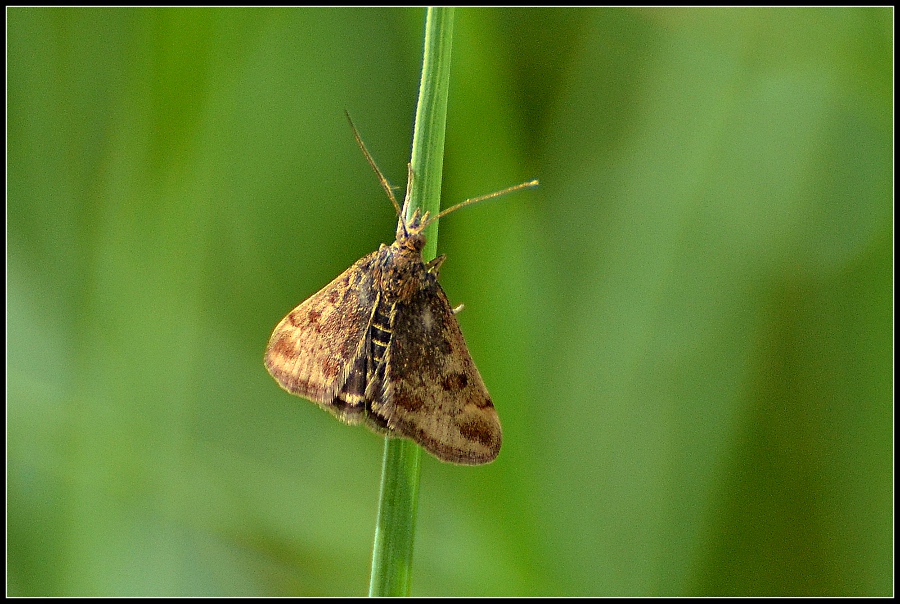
(315, 348)
(432, 391)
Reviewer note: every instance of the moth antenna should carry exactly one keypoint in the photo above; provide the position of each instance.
(525, 185)
(384, 181)
(409, 185)
(404, 216)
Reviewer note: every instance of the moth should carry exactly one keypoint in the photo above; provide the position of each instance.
(380, 346)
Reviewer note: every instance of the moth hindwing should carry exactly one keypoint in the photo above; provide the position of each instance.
(380, 345)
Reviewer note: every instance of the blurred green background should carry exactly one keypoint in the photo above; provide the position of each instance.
(687, 329)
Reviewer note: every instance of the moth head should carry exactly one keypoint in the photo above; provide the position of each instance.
(409, 232)
(416, 242)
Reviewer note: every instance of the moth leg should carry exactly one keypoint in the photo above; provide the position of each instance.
(458, 309)
(435, 265)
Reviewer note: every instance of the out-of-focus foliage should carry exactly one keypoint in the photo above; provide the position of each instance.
(687, 329)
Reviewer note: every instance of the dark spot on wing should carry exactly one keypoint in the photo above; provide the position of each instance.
(330, 368)
(282, 348)
(455, 381)
(486, 402)
(474, 428)
(409, 402)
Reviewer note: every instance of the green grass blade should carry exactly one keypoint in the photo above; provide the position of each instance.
(395, 528)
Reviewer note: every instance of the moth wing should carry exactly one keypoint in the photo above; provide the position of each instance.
(315, 347)
(432, 391)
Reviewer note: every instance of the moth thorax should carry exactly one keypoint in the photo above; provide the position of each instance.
(402, 276)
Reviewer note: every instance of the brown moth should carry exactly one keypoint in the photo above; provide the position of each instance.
(380, 346)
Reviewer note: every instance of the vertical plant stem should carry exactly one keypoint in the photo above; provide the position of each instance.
(395, 528)
(431, 120)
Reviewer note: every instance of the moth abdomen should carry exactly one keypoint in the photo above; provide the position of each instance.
(380, 332)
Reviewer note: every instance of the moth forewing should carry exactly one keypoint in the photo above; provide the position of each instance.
(433, 393)
(313, 349)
